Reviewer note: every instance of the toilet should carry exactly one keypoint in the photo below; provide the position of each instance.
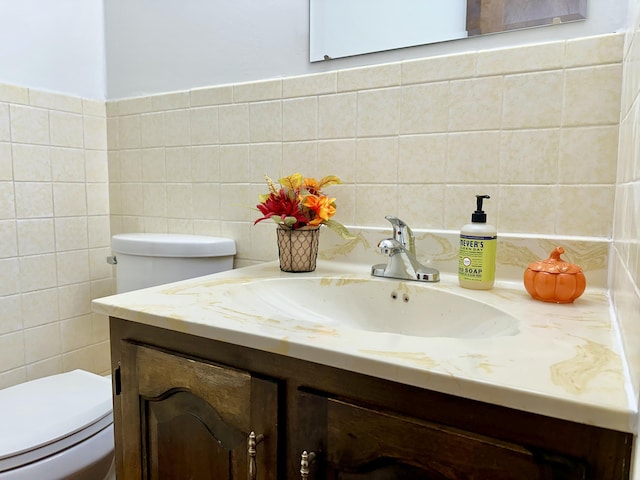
(61, 426)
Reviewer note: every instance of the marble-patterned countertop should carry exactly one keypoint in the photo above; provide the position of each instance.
(564, 361)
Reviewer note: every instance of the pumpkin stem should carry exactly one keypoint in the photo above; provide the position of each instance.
(556, 253)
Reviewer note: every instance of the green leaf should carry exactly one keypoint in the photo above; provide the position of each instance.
(339, 229)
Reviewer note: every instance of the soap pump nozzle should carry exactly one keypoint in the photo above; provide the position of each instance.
(479, 216)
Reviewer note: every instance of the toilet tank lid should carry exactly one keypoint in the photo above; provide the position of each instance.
(42, 411)
(172, 245)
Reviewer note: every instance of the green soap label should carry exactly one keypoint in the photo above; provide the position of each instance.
(477, 258)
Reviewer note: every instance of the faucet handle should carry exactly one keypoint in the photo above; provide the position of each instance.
(402, 233)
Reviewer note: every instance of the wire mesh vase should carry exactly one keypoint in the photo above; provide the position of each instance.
(298, 249)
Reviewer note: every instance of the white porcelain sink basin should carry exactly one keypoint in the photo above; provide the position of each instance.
(374, 305)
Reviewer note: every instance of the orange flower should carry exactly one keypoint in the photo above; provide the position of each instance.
(323, 207)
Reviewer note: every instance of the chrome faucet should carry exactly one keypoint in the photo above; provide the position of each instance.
(401, 251)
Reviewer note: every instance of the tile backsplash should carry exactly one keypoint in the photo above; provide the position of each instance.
(535, 127)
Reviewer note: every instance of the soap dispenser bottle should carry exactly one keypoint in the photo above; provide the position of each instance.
(477, 255)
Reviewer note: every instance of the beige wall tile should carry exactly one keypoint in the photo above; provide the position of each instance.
(422, 206)
(264, 159)
(522, 208)
(72, 267)
(41, 342)
(588, 155)
(234, 123)
(67, 164)
(74, 300)
(11, 320)
(435, 69)
(40, 307)
(129, 132)
(35, 236)
(97, 198)
(6, 162)
(300, 157)
(29, 125)
(10, 276)
(473, 157)
(71, 233)
(14, 94)
(528, 58)
(76, 333)
(206, 201)
(204, 126)
(337, 116)
(424, 108)
(257, 91)
(377, 160)
(37, 272)
(476, 104)
(177, 128)
(95, 132)
(170, 101)
(178, 164)
(5, 123)
(594, 50)
(153, 165)
(8, 239)
(31, 163)
(305, 85)
(55, 101)
(205, 164)
(378, 112)
(581, 204)
(374, 202)
(33, 199)
(12, 354)
(582, 106)
(300, 119)
(529, 156)
(234, 163)
(69, 199)
(154, 200)
(66, 129)
(378, 76)
(338, 157)
(219, 95)
(532, 100)
(7, 201)
(130, 162)
(152, 129)
(179, 200)
(266, 121)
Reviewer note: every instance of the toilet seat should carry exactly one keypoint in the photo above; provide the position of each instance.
(45, 416)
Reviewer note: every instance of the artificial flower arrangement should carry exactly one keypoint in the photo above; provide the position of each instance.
(299, 202)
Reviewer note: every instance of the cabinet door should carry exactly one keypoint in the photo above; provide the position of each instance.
(187, 418)
(352, 442)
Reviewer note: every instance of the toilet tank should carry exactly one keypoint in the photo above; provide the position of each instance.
(147, 259)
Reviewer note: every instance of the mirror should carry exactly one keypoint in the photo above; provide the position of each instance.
(342, 28)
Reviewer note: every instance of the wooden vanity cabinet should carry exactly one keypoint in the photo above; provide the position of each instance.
(185, 405)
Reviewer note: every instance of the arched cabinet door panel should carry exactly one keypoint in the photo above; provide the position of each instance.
(353, 442)
(189, 418)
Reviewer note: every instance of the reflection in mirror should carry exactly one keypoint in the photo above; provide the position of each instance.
(491, 16)
(342, 28)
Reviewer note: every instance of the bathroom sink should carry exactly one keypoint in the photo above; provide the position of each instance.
(373, 305)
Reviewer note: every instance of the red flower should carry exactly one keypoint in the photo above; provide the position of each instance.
(283, 206)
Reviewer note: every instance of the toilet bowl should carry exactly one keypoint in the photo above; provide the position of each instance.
(57, 427)
(61, 427)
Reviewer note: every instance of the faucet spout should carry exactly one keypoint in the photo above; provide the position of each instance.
(402, 263)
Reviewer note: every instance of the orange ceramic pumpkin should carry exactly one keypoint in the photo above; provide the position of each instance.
(554, 280)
